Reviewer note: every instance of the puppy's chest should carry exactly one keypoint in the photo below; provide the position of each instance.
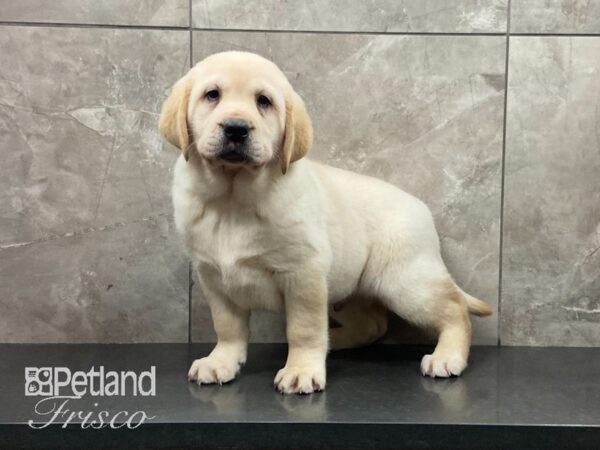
(234, 249)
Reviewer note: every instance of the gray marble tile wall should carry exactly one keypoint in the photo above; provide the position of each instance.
(88, 252)
(551, 257)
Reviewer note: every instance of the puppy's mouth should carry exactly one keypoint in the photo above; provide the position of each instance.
(233, 156)
(234, 153)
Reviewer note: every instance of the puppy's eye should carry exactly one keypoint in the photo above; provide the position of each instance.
(263, 101)
(212, 95)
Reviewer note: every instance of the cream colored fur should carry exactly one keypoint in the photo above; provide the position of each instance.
(287, 234)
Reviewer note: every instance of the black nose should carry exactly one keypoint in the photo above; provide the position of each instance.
(236, 130)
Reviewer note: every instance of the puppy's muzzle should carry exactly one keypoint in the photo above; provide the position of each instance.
(235, 134)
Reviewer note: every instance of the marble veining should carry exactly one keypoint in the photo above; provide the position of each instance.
(173, 13)
(551, 264)
(84, 182)
(380, 16)
(555, 16)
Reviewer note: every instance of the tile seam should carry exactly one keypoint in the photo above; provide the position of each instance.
(503, 175)
(190, 279)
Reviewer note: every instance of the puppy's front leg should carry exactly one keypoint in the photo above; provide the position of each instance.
(306, 315)
(231, 326)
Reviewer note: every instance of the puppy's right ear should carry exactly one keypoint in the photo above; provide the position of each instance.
(173, 122)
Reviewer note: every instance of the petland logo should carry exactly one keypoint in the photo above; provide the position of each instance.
(60, 386)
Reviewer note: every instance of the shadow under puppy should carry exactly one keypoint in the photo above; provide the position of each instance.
(268, 229)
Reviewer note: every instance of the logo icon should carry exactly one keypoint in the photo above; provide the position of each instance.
(38, 381)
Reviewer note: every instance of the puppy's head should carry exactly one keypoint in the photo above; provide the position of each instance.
(237, 109)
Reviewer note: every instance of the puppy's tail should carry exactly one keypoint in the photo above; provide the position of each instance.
(476, 306)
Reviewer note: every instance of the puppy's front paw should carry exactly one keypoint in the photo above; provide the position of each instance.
(211, 370)
(300, 380)
(443, 365)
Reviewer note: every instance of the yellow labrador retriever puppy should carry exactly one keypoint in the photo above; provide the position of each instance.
(267, 229)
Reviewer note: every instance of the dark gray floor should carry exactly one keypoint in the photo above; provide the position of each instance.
(375, 398)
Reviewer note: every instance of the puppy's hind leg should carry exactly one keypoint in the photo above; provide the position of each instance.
(359, 322)
(451, 319)
(425, 294)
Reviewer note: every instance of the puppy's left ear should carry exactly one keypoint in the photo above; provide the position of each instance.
(298, 135)
(173, 122)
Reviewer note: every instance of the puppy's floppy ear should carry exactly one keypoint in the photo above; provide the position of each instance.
(298, 135)
(173, 122)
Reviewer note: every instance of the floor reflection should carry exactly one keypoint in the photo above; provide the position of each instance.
(236, 399)
(305, 408)
(452, 392)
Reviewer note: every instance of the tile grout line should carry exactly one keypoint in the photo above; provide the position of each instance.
(238, 30)
(569, 35)
(242, 30)
(402, 33)
(191, 35)
(502, 175)
(92, 25)
(190, 285)
(377, 33)
(190, 279)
